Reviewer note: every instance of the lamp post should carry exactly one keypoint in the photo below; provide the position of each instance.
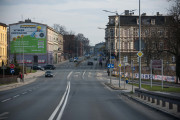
(119, 40)
(139, 45)
(23, 59)
(109, 34)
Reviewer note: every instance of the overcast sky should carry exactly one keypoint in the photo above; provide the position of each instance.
(80, 16)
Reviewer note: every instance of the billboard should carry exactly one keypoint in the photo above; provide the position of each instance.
(29, 37)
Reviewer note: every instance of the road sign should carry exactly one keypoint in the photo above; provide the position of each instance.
(3, 67)
(12, 71)
(112, 57)
(119, 65)
(140, 54)
(133, 68)
(157, 64)
(110, 65)
(11, 65)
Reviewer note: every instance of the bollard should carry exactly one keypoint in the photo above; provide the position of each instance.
(163, 103)
(144, 97)
(170, 105)
(178, 108)
(158, 102)
(149, 99)
(153, 100)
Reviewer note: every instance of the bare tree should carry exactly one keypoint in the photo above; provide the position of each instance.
(173, 40)
(62, 29)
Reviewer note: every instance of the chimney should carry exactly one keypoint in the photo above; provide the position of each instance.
(157, 14)
(144, 14)
(126, 12)
(28, 20)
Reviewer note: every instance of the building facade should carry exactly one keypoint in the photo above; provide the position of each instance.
(3, 44)
(36, 43)
(153, 28)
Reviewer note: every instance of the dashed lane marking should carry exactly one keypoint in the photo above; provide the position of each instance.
(6, 100)
(16, 96)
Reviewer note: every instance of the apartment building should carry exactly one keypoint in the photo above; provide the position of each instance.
(38, 43)
(3, 44)
(153, 28)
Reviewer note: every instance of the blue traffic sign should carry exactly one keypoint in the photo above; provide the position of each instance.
(12, 71)
(110, 65)
(112, 57)
(133, 68)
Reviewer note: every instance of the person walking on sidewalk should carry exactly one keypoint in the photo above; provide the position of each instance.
(21, 77)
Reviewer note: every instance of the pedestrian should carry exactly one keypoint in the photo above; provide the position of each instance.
(21, 77)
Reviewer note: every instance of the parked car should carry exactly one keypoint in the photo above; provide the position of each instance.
(35, 67)
(48, 74)
(75, 59)
(71, 60)
(90, 63)
(49, 67)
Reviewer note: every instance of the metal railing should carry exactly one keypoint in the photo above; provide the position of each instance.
(165, 98)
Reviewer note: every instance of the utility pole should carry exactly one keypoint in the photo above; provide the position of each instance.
(139, 45)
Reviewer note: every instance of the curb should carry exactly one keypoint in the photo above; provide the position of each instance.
(150, 106)
(113, 87)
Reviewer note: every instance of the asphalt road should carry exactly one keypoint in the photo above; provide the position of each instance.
(74, 93)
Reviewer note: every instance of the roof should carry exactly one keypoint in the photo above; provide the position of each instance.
(2, 24)
(145, 20)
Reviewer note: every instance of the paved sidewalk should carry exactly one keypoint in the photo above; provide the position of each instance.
(28, 78)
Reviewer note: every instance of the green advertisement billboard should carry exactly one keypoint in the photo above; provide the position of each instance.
(27, 37)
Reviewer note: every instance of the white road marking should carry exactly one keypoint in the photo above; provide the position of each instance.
(5, 113)
(59, 105)
(69, 75)
(83, 74)
(2, 115)
(16, 96)
(30, 90)
(24, 93)
(6, 100)
(64, 98)
(64, 105)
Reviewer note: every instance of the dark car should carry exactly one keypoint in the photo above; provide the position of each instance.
(37, 68)
(90, 63)
(71, 60)
(48, 74)
(49, 67)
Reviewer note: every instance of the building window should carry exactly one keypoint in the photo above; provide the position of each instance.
(161, 46)
(111, 32)
(152, 21)
(125, 59)
(137, 20)
(173, 59)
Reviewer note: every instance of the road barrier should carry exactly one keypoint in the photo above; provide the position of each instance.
(164, 98)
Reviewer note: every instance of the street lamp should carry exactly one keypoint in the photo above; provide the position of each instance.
(119, 41)
(109, 34)
(139, 45)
